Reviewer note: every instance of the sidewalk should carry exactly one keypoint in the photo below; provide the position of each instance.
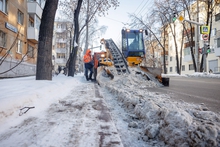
(80, 119)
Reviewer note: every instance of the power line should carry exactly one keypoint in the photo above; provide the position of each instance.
(114, 20)
(149, 9)
(135, 10)
(138, 6)
(144, 6)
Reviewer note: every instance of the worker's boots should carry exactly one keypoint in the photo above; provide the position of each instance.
(90, 77)
(87, 77)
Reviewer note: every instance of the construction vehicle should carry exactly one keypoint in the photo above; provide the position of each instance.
(131, 55)
(133, 46)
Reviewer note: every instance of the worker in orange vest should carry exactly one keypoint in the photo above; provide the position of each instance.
(88, 62)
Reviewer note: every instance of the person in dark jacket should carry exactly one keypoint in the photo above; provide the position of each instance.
(88, 62)
(59, 69)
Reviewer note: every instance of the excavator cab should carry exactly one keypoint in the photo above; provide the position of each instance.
(133, 46)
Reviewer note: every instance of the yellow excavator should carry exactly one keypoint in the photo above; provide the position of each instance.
(131, 55)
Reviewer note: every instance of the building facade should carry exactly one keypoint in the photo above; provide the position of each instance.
(62, 43)
(212, 60)
(19, 29)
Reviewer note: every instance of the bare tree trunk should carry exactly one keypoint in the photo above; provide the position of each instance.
(76, 38)
(176, 49)
(44, 57)
(87, 28)
(164, 52)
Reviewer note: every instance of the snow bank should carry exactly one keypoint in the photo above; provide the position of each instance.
(175, 123)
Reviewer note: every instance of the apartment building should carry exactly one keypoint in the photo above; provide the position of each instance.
(62, 42)
(63, 45)
(19, 29)
(213, 58)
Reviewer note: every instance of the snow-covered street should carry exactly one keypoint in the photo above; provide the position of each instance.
(120, 112)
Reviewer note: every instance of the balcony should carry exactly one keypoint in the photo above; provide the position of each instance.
(217, 52)
(32, 34)
(61, 40)
(162, 53)
(60, 50)
(61, 60)
(189, 31)
(189, 44)
(34, 8)
(187, 58)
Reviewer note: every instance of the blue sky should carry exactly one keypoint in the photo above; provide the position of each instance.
(115, 18)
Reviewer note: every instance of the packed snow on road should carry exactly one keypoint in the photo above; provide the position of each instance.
(70, 111)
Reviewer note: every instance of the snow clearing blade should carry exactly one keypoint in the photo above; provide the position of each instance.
(104, 74)
(109, 73)
(153, 74)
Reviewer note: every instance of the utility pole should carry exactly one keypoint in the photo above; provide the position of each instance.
(197, 37)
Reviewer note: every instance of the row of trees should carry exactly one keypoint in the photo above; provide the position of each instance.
(84, 13)
(162, 15)
(77, 10)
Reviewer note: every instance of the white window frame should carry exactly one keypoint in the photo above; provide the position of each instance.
(218, 42)
(37, 22)
(183, 67)
(20, 17)
(31, 23)
(187, 51)
(61, 55)
(4, 6)
(3, 39)
(191, 67)
(19, 47)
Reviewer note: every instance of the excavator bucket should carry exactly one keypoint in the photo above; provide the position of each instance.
(152, 72)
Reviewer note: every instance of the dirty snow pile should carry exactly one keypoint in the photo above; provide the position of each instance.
(158, 118)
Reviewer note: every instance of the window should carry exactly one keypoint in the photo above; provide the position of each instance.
(183, 67)
(186, 51)
(213, 32)
(61, 45)
(60, 55)
(20, 17)
(3, 6)
(191, 67)
(170, 58)
(171, 69)
(217, 17)
(2, 39)
(19, 48)
(30, 51)
(38, 23)
(218, 42)
(31, 23)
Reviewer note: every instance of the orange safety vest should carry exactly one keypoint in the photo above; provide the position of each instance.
(87, 57)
